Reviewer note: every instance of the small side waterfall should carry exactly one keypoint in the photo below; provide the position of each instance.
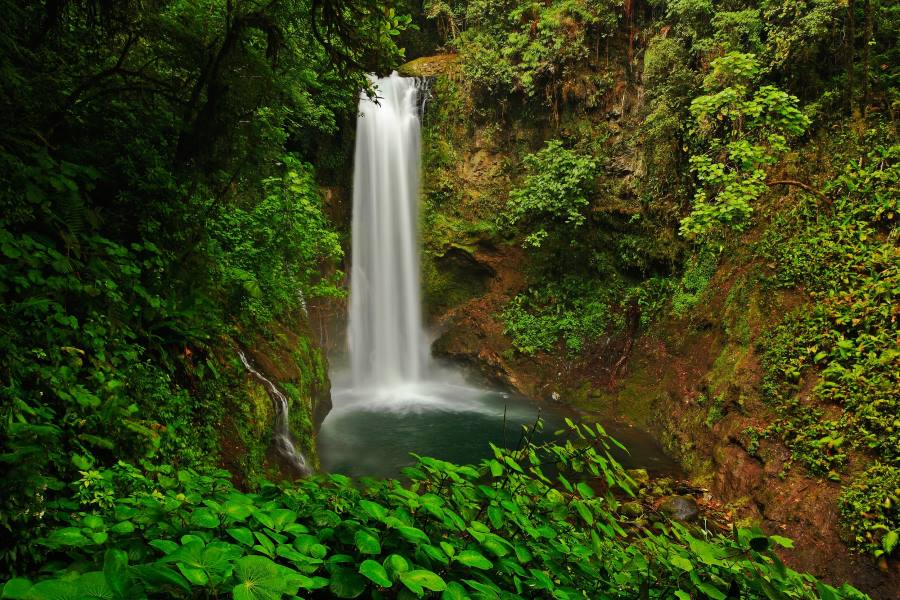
(284, 444)
(387, 343)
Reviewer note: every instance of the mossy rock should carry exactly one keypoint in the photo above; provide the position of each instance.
(428, 66)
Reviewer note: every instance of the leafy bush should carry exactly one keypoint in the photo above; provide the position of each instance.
(522, 47)
(740, 129)
(552, 200)
(847, 258)
(699, 270)
(870, 508)
(572, 311)
(503, 529)
(270, 252)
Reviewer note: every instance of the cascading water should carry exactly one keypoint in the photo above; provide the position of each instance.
(395, 401)
(386, 339)
(284, 444)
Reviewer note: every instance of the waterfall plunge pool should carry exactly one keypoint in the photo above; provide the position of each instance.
(371, 432)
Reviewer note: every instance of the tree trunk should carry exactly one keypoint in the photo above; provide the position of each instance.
(867, 56)
(850, 44)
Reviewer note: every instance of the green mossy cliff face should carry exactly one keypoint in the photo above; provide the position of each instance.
(689, 365)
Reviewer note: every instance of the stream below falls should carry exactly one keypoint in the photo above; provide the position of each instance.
(372, 433)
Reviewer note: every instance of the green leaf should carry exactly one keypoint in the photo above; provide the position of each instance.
(115, 570)
(375, 573)
(454, 591)
(158, 576)
(889, 541)
(242, 535)
(237, 511)
(682, 563)
(374, 510)
(418, 579)
(259, 579)
(204, 517)
(67, 536)
(16, 589)
(367, 543)
(93, 522)
(413, 535)
(165, 546)
(195, 575)
(782, 541)
(472, 558)
(122, 527)
(584, 490)
(584, 512)
(395, 565)
(55, 589)
(346, 584)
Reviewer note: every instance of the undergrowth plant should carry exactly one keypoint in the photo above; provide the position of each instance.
(842, 345)
(539, 520)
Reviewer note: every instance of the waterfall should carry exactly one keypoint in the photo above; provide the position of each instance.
(387, 342)
(284, 443)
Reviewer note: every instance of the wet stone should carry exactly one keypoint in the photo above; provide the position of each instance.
(681, 508)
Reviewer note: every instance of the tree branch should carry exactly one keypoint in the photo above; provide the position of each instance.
(799, 184)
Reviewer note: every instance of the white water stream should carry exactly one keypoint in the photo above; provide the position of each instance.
(281, 437)
(388, 347)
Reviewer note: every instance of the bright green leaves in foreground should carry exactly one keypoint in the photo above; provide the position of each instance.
(505, 529)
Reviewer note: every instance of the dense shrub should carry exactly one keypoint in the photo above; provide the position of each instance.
(507, 528)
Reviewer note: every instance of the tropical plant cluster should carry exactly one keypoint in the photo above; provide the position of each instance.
(159, 203)
(539, 520)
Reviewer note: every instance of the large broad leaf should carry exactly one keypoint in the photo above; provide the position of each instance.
(54, 590)
(93, 585)
(375, 572)
(367, 543)
(413, 535)
(160, 577)
(259, 579)
(281, 518)
(237, 511)
(472, 558)
(241, 534)
(395, 565)
(16, 589)
(115, 569)
(454, 591)
(310, 546)
(200, 564)
(67, 536)
(204, 517)
(346, 584)
(420, 580)
(374, 510)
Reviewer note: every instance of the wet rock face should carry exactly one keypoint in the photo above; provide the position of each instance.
(681, 508)
(737, 474)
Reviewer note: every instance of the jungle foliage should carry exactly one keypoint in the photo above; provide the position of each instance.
(726, 106)
(506, 528)
(158, 199)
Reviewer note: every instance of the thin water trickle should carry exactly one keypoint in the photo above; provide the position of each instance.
(282, 440)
